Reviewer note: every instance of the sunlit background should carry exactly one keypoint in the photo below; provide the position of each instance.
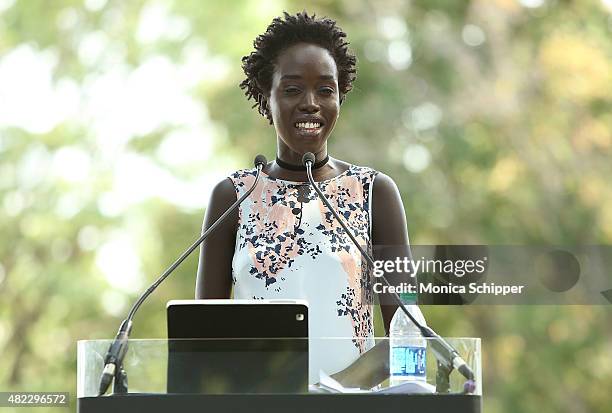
(118, 117)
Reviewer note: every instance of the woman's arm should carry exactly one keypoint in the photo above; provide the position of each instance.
(388, 229)
(214, 279)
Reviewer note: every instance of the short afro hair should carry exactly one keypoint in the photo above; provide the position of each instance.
(280, 35)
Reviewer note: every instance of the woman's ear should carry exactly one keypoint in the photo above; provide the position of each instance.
(263, 97)
(264, 107)
(263, 101)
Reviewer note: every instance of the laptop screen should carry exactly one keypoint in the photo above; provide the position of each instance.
(227, 346)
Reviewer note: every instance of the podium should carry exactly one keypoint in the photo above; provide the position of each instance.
(268, 375)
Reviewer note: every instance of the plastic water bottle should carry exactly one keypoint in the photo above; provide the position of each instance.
(407, 347)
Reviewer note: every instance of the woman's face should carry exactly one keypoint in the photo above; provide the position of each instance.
(304, 99)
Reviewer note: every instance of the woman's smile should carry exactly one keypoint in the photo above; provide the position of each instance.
(309, 127)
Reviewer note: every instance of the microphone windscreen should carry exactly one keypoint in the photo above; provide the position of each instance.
(260, 160)
(308, 157)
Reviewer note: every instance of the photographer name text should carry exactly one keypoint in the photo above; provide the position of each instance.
(431, 288)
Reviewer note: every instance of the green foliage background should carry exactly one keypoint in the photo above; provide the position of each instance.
(492, 117)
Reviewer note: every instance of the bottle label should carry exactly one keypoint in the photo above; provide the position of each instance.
(408, 361)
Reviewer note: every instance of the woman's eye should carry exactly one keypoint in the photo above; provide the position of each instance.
(327, 90)
(292, 89)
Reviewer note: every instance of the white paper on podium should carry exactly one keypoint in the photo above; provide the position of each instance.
(328, 384)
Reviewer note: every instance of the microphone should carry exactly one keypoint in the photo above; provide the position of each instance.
(116, 352)
(307, 158)
(260, 161)
(444, 352)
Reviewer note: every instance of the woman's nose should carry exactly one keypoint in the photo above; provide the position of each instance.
(309, 103)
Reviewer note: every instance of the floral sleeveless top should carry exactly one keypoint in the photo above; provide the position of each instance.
(289, 246)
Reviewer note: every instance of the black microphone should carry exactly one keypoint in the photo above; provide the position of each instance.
(444, 352)
(116, 352)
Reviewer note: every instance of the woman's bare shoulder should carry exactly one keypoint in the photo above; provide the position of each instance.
(385, 186)
(389, 219)
(341, 165)
(223, 194)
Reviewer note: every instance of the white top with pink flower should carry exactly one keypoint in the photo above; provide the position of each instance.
(289, 246)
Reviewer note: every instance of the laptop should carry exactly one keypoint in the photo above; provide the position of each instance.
(248, 346)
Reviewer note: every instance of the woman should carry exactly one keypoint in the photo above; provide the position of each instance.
(283, 243)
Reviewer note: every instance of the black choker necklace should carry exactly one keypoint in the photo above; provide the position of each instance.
(292, 167)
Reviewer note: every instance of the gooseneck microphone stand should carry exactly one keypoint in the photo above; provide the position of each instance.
(113, 361)
(448, 358)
